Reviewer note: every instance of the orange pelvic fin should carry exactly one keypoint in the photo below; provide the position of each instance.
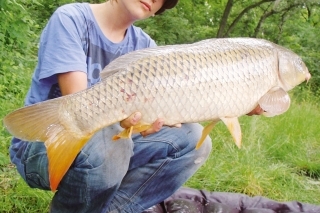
(127, 133)
(205, 133)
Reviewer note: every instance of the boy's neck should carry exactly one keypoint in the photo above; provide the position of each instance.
(111, 21)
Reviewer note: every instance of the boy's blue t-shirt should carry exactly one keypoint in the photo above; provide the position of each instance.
(73, 41)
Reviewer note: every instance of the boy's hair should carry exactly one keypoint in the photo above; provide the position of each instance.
(168, 4)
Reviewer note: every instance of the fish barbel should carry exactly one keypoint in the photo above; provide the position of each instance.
(211, 80)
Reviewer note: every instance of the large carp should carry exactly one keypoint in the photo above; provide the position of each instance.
(211, 80)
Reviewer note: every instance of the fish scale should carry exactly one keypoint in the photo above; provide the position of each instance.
(211, 80)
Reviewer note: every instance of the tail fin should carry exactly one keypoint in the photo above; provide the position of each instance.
(40, 122)
(33, 122)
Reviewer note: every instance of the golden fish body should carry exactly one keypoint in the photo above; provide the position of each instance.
(211, 80)
(181, 83)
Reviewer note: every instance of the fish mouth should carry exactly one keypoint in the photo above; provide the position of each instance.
(146, 5)
(308, 77)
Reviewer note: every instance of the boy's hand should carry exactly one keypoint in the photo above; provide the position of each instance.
(256, 111)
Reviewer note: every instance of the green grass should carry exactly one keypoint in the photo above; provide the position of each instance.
(15, 195)
(279, 159)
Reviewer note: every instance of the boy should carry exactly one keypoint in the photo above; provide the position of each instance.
(130, 175)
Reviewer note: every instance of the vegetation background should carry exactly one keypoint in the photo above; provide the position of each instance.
(280, 158)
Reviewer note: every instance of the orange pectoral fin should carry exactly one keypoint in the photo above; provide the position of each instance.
(62, 149)
(275, 102)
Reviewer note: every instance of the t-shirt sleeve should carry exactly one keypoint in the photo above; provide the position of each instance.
(61, 48)
(152, 43)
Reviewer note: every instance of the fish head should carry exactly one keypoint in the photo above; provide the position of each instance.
(292, 70)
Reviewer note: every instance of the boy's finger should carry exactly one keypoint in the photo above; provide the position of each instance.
(132, 120)
(156, 126)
